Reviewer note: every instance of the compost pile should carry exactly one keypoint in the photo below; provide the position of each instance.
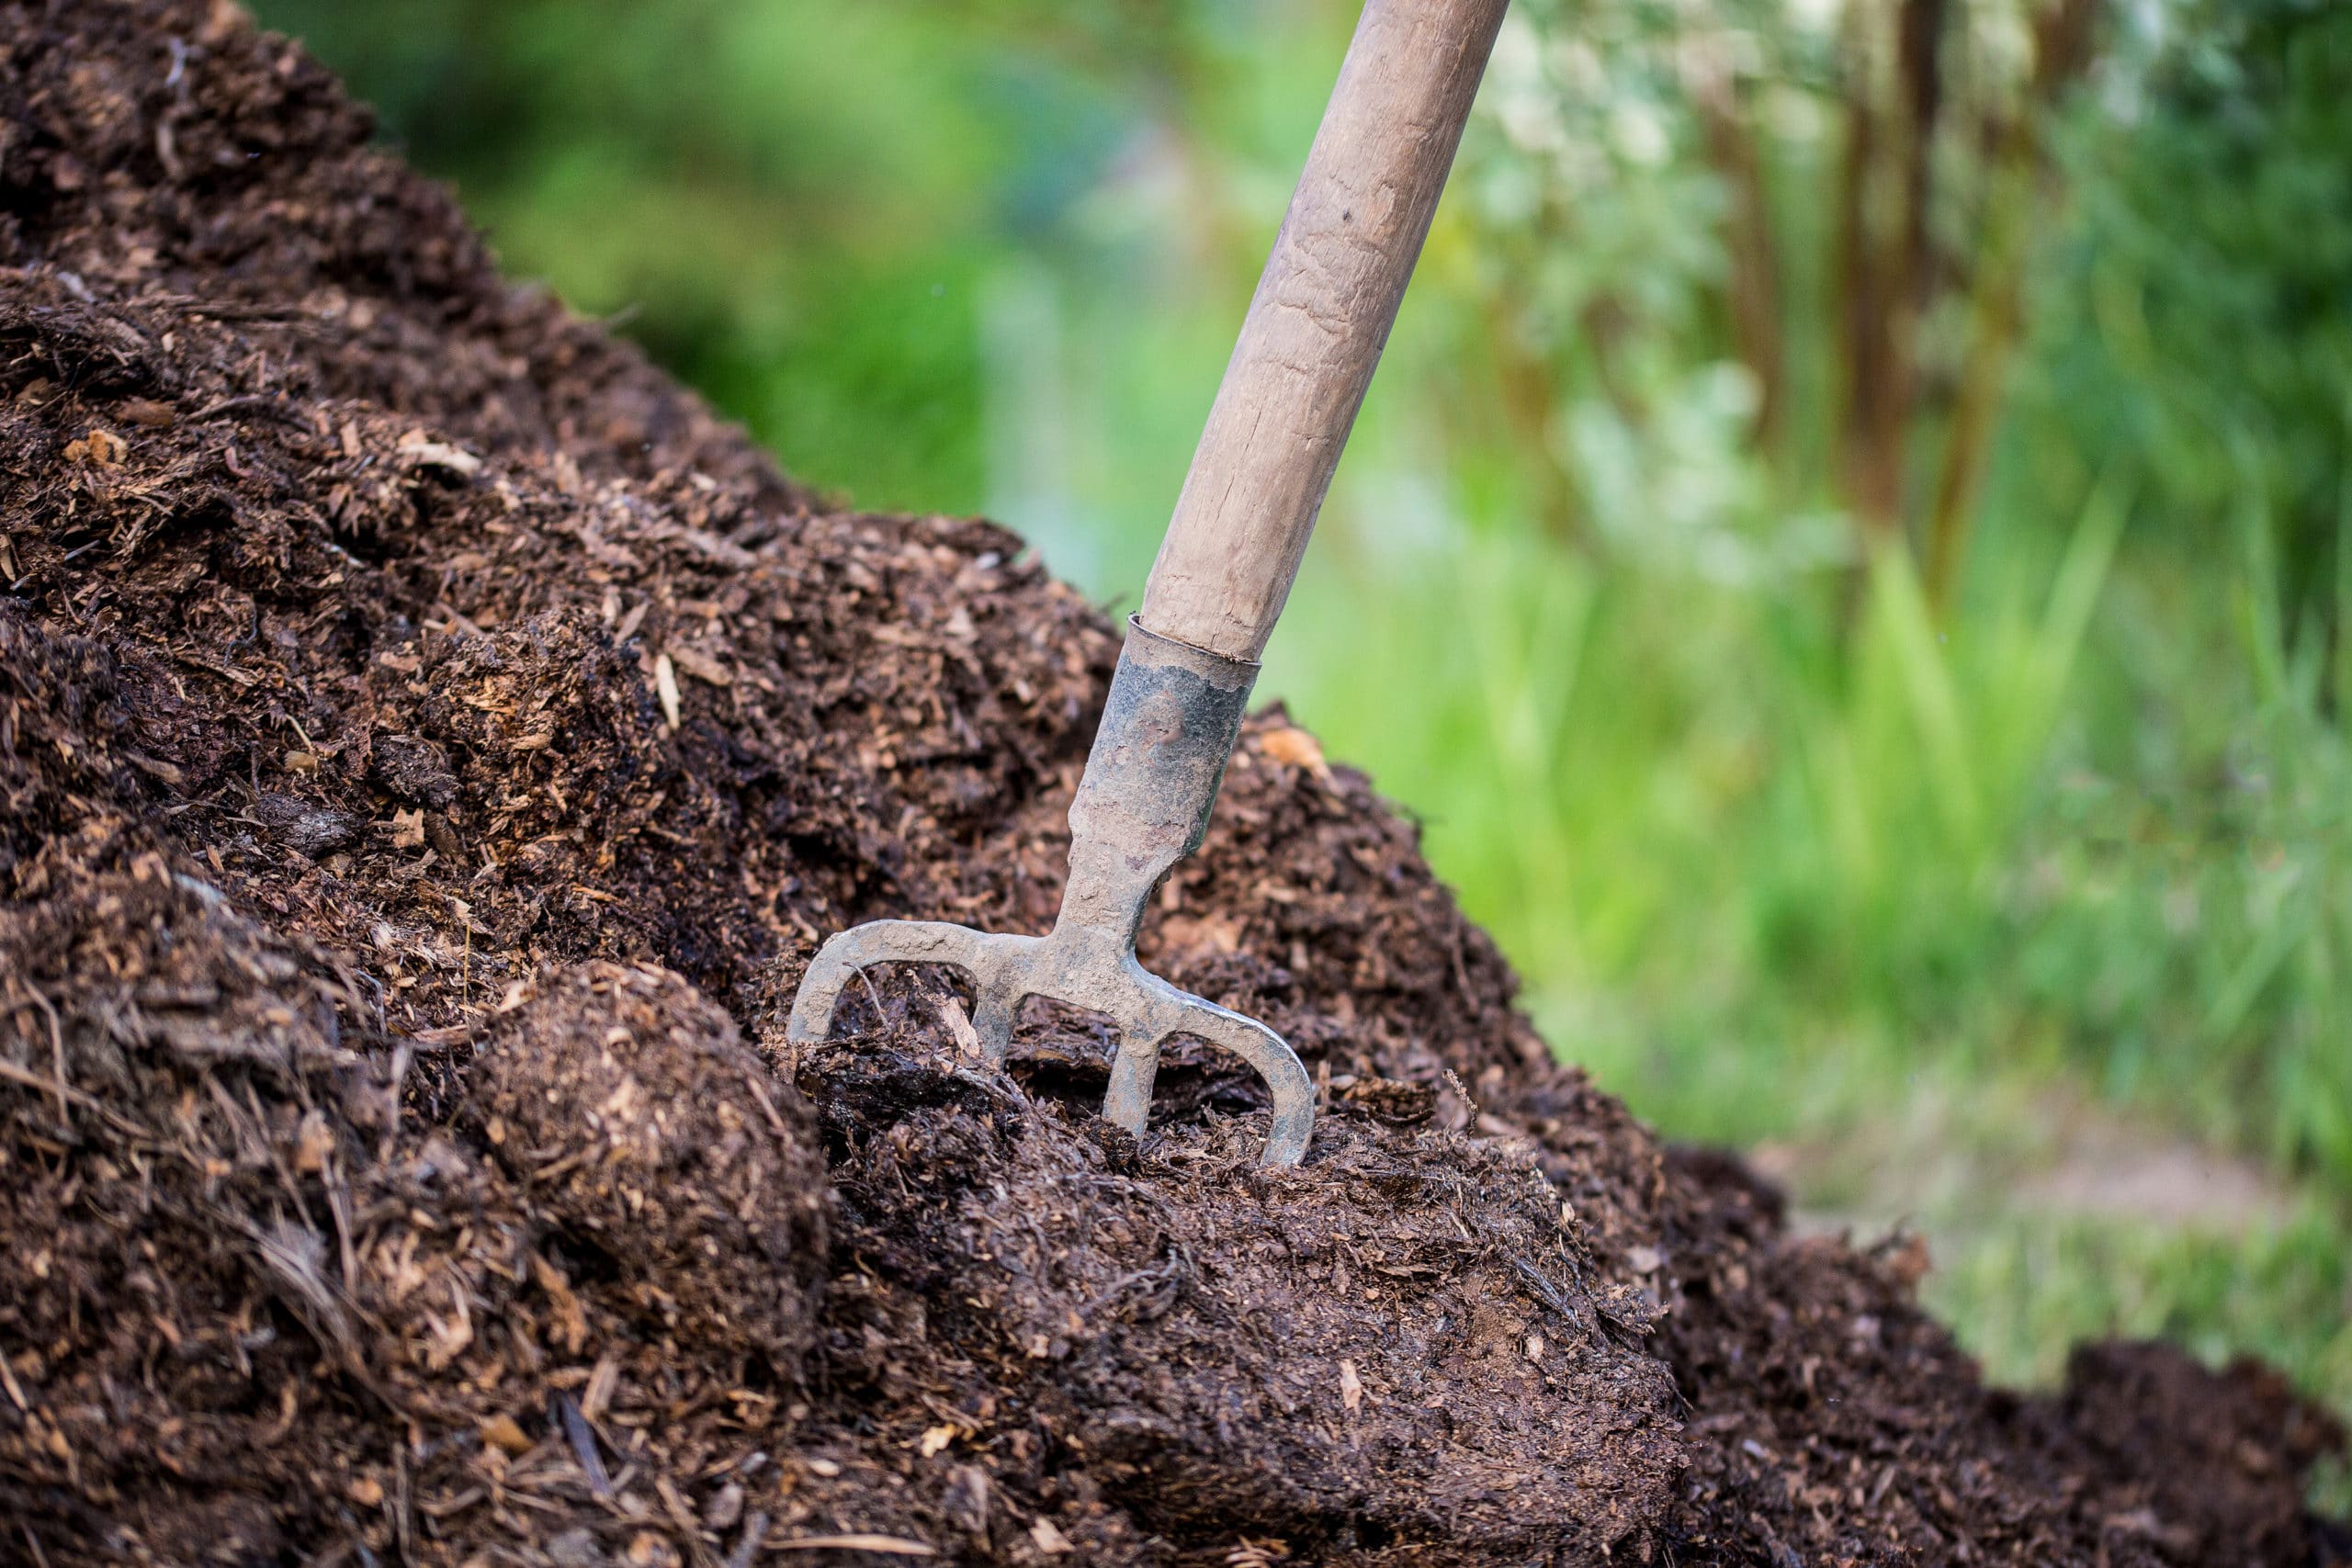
(432, 746)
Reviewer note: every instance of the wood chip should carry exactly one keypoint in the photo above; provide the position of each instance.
(501, 1431)
(102, 448)
(959, 1025)
(601, 1384)
(701, 665)
(724, 551)
(665, 685)
(591, 1464)
(1295, 748)
(419, 453)
(314, 1142)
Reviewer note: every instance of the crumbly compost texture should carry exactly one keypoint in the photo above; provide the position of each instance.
(431, 747)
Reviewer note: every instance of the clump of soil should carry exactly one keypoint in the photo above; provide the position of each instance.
(432, 747)
(1405, 1345)
(649, 1136)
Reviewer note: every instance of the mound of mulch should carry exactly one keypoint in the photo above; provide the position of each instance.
(431, 747)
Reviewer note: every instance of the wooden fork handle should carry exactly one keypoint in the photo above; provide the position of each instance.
(1318, 322)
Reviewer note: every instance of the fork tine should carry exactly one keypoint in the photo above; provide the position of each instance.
(1128, 1103)
(1133, 1067)
(983, 955)
(1277, 1064)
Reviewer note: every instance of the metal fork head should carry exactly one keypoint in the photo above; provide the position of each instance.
(1142, 805)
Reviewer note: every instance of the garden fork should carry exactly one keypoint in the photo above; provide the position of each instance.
(1306, 352)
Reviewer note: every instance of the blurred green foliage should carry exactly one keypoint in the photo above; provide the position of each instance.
(1847, 560)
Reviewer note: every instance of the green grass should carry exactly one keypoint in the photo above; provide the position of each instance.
(1885, 903)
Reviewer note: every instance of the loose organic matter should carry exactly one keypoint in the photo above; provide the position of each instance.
(432, 747)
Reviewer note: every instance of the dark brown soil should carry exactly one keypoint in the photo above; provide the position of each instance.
(431, 747)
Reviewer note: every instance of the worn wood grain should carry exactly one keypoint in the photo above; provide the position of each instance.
(1318, 321)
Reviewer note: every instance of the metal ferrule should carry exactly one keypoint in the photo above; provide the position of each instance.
(1152, 780)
